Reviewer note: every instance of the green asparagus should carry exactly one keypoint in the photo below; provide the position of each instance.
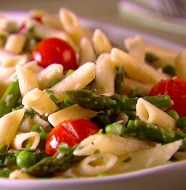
(10, 98)
(115, 103)
(153, 132)
(48, 166)
(119, 81)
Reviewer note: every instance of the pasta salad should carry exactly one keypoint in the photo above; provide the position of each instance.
(75, 104)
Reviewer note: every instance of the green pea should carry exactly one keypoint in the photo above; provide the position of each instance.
(25, 159)
(115, 128)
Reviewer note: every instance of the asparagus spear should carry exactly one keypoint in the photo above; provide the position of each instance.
(153, 132)
(48, 166)
(91, 100)
(119, 81)
(116, 103)
(10, 98)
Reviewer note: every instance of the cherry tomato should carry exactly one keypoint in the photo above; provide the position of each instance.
(71, 132)
(176, 89)
(55, 50)
(23, 28)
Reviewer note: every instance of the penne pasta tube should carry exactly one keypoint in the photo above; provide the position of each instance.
(6, 72)
(180, 64)
(43, 32)
(7, 24)
(75, 81)
(70, 113)
(141, 72)
(164, 56)
(95, 164)
(9, 124)
(155, 156)
(33, 66)
(4, 55)
(15, 43)
(7, 76)
(109, 143)
(100, 42)
(86, 51)
(20, 174)
(39, 101)
(14, 60)
(46, 76)
(52, 21)
(28, 122)
(71, 24)
(131, 85)
(105, 75)
(151, 114)
(21, 139)
(26, 78)
(136, 47)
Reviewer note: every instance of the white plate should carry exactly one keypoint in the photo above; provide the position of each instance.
(167, 177)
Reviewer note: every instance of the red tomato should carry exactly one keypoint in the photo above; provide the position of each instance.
(55, 50)
(22, 28)
(71, 132)
(176, 89)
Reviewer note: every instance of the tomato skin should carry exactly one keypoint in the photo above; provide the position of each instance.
(176, 89)
(71, 132)
(23, 28)
(55, 50)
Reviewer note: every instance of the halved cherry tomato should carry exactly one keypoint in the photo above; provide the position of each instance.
(176, 89)
(71, 132)
(55, 50)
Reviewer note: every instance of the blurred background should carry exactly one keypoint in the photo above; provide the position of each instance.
(164, 18)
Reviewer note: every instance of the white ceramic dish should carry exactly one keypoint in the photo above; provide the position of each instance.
(167, 177)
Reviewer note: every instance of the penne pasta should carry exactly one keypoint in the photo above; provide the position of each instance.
(105, 75)
(28, 122)
(14, 60)
(86, 51)
(180, 64)
(71, 24)
(39, 101)
(15, 43)
(46, 76)
(164, 56)
(70, 113)
(143, 73)
(19, 174)
(133, 85)
(27, 79)
(155, 156)
(44, 32)
(109, 143)
(95, 164)
(9, 124)
(136, 48)
(75, 81)
(21, 140)
(151, 114)
(100, 42)
(33, 66)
